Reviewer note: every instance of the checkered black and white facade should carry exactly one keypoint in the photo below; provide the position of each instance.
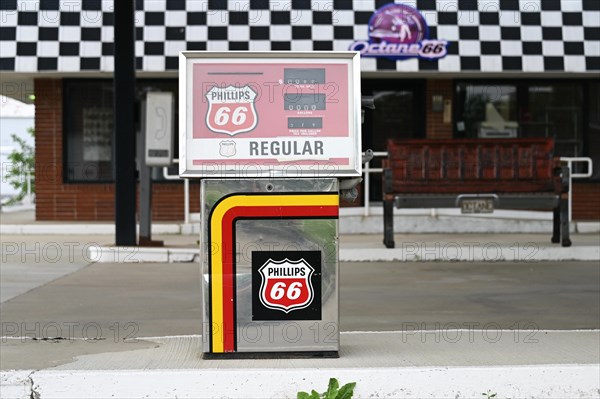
(489, 36)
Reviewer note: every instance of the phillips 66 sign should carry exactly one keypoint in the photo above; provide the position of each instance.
(269, 114)
(231, 110)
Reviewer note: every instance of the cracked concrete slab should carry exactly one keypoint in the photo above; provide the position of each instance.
(554, 364)
(29, 354)
(548, 381)
(449, 348)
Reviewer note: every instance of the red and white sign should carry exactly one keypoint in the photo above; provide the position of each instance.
(286, 285)
(231, 110)
(245, 114)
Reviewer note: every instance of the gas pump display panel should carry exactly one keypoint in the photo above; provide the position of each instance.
(275, 114)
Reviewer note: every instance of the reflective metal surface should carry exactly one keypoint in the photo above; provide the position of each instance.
(269, 231)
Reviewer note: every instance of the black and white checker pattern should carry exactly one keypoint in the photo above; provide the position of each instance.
(484, 35)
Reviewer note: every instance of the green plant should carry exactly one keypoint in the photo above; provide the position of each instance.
(22, 161)
(488, 394)
(333, 391)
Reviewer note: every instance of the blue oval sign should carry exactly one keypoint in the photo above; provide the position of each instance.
(398, 31)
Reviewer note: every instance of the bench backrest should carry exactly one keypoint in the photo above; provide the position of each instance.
(472, 166)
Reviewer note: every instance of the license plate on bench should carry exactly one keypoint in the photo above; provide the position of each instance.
(479, 205)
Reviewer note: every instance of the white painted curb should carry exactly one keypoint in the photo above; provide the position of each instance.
(15, 384)
(588, 227)
(548, 381)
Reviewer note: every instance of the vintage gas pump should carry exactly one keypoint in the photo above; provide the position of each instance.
(273, 137)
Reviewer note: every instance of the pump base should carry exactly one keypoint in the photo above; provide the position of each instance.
(273, 355)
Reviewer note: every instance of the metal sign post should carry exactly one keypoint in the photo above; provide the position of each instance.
(270, 135)
(155, 148)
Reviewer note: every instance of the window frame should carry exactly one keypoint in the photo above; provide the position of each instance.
(139, 85)
(522, 85)
(66, 130)
(417, 85)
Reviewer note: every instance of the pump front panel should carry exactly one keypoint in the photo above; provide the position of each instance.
(270, 265)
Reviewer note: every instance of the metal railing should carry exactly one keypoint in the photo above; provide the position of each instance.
(570, 161)
(186, 185)
(368, 171)
(186, 191)
(28, 200)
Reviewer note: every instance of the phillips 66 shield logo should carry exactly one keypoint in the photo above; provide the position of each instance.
(286, 285)
(231, 110)
(227, 148)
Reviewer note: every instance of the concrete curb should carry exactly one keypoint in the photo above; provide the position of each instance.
(470, 252)
(548, 381)
(16, 384)
(407, 252)
(105, 254)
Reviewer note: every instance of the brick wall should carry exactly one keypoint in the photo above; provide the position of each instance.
(586, 201)
(435, 126)
(56, 200)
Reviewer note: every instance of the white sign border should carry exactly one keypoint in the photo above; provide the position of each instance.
(189, 58)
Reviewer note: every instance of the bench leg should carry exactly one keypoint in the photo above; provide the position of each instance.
(388, 224)
(556, 225)
(564, 222)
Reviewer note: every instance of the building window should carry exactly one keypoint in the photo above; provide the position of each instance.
(399, 114)
(487, 111)
(88, 127)
(88, 124)
(554, 110)
(592, 128)
(522, 109)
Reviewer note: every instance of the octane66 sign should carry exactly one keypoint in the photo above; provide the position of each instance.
(269, 114)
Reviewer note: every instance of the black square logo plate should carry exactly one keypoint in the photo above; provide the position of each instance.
(286, 285)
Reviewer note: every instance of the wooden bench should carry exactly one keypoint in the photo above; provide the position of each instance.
(478, 176)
